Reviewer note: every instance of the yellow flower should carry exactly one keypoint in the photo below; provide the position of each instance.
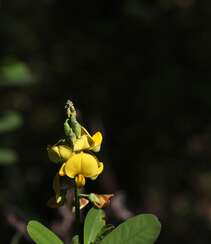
(81, 165)
(59, 153)
(88, 142)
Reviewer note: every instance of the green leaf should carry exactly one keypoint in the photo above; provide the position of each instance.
(94, 222)
(141, 229)
(7, 156)
(16, 73)
(41, 234)
(10, 121)
(104, 231)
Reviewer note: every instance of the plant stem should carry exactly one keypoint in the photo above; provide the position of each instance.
(77, 214)
(83, 195)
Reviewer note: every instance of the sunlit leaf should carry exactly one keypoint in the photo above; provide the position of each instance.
(141, 229)
(94, 222)
(41, 234)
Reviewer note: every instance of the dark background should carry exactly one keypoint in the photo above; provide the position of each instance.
(138, 70)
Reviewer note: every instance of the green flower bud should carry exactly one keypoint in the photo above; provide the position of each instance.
(69, 133)
(76, 127)
(71, 124)
(100, 200)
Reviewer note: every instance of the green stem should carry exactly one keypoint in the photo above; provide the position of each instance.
(77, 215)
(83, 195)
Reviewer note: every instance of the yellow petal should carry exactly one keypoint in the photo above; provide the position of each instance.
(73, 165)
(81, 144)
(85, 132)
(53, 154)
(84, 164)
(97, 138)
(99, 170)
(62, 170)
(65, 152)
(89, 137)
(94, 141)
(89, 165)
(59, 153)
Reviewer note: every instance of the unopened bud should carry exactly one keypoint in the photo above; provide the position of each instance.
(83, 203)
(80, 180)
(100, 201)
(69, 133)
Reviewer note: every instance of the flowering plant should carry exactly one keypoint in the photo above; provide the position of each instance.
(76, 157)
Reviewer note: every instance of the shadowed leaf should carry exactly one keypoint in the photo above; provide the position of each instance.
(10, 121)
(16, 73)
(7, 156)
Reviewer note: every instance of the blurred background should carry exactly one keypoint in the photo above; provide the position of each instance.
(138, 70)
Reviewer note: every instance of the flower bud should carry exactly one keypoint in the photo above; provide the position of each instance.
(59, 153)
(69, 133)
(83, 203)
(80, 180)
(76, 127)
(100, 201)
(71, 122)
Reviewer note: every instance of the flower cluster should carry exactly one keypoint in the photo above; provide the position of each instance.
(75, 155)
(78, 160)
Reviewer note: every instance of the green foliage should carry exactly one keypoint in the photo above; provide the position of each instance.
(104, 231)
(41, 234)
(94, 222)
(141, 229)
(10, 121)
(16, 73)
(7, 156)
